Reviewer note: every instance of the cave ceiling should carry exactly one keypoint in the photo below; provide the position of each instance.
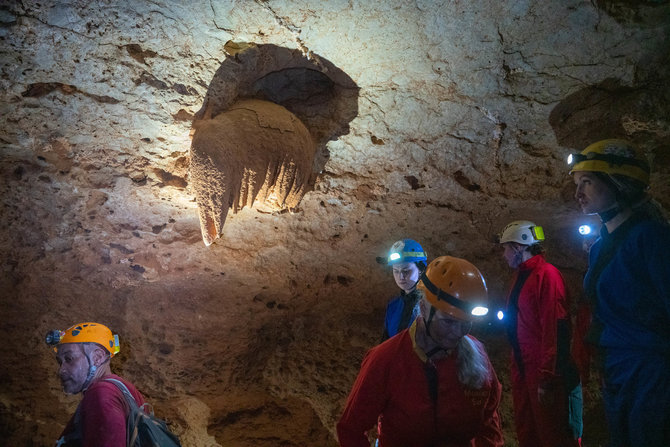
(435, 120)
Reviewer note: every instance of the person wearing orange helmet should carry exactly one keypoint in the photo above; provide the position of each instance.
(628, 286)
(431, 384)
(546, 389)
(83, 353)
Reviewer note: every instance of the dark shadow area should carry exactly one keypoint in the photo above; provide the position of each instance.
(321, 95)
(637, 110)
(639, 12)
(593, 113)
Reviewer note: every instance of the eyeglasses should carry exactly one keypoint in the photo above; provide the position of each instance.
(452, 323)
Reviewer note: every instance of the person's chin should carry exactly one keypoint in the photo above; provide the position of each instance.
(586, 209)
(68, 387)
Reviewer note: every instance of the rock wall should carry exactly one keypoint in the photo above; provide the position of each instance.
(439, 120)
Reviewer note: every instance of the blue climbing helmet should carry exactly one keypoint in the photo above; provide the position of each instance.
(406, 250)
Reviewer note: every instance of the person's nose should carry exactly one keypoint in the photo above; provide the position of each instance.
(578, 192)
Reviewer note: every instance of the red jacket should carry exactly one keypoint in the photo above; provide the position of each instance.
(392, 387)
(103, 411)
(542, 303)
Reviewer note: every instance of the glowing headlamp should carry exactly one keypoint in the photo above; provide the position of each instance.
(394, 256)
(585, 230)
(500, 315)
(479, 311)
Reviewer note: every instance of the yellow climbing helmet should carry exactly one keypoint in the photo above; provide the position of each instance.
(86, 333)
(612, 156)
(455, 287)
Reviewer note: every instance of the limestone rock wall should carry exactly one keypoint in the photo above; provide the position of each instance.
(444, 120)
(256, 152)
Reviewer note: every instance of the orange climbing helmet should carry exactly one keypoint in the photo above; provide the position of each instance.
(86, 333)
(455, 287)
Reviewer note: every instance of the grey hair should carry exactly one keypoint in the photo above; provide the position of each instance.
(474, 368)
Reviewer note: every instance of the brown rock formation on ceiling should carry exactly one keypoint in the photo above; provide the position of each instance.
(439, 121)
(240, 155)
(254, 151)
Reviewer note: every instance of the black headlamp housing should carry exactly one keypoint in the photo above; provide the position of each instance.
(53, 337)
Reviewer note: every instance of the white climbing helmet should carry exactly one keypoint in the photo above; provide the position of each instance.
(522, 232)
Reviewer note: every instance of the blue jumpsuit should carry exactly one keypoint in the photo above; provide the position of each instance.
(629, 281)
(401, 312)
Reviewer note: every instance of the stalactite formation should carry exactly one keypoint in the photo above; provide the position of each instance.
(255, 152)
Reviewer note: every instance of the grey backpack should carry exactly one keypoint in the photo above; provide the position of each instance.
(144, 429)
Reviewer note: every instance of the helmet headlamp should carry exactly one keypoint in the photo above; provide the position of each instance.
(406, 250)
(476, 310)
(612, 159)
(538, 232)
(54, 337)
(585, 230)
(479, 311)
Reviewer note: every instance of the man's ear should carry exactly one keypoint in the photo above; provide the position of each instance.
(99, 356)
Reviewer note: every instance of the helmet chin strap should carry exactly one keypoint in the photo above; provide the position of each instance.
(92, 370)
(91, 373)
(609, 214)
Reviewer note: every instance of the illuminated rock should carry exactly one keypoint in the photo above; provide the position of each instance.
(256, 152)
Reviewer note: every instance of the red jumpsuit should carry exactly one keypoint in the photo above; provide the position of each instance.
(392, 386)
(541, 306)
(103, 411)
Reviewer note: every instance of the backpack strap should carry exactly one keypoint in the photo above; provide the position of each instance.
(134, 409)
(124, 389)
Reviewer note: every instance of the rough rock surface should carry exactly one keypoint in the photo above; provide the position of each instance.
(254, 152)
(435, 120)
